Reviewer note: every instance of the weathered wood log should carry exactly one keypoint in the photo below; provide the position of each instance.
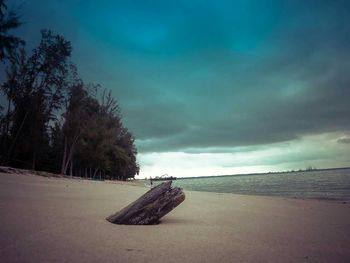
(149, 208)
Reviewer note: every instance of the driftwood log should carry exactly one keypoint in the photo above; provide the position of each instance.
(149, 208)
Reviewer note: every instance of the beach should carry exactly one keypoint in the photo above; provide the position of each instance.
(47, 219)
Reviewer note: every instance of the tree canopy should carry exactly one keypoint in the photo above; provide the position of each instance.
(8, 20)
(53, 121)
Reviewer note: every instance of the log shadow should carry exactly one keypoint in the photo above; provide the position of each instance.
(176, 221)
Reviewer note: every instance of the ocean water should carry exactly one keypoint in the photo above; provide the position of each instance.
(324, 184)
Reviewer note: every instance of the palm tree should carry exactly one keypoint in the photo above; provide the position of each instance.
(8, 20)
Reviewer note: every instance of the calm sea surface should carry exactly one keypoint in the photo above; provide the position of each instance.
(326, 184)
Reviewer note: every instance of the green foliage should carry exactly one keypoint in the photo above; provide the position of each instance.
(93, 132)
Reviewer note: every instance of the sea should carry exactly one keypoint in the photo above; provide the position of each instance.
(330, 184)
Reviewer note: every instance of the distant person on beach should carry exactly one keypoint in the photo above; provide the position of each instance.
(151, 181)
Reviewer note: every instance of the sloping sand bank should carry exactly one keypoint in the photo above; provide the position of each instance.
(62, 220)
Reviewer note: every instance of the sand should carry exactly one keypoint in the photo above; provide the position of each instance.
(62, 220)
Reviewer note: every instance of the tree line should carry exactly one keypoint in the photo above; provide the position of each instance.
(52, 120)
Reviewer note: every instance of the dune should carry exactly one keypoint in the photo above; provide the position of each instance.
(47, 219)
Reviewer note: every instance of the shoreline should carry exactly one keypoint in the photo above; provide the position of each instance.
(267, 173)
(25, 172)
(142, 183)
(317, 199)
(45, 220)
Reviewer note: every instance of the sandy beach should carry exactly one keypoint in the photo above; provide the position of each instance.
(63, 220)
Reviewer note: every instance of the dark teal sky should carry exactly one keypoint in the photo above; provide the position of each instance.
(262, 85)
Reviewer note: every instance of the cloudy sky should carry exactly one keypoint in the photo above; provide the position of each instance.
(215, 87)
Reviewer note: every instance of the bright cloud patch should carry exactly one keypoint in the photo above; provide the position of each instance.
(317, 151)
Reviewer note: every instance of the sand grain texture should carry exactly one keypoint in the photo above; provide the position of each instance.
(61, 220)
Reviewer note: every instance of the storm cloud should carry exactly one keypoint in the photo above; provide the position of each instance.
(207, 75)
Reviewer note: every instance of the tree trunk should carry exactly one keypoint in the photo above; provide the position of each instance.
(149, 208)
(63, 165)
(95, 173)
(34, 160)
(71, 169)
(9, 152)
(68, 162)
(69, 154)
(6, 128)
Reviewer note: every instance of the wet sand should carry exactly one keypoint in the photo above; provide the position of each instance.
(63, 220)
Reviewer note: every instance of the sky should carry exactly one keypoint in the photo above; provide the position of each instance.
(215, 87)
